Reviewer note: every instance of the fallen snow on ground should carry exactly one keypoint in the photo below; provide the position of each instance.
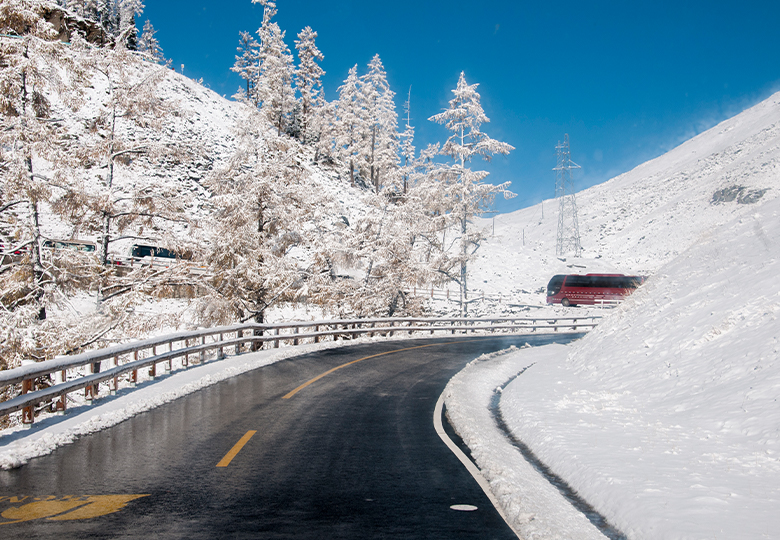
(665, 417)
(532, 505)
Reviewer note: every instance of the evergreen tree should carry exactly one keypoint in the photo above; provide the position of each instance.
(349, 124)
(274, 82)
(30, 135)
(380, 139)
(465, 191)
(148, 43)
(407, 147)
(247, 65)
(261, 206)
(307, 80)
(128, 10)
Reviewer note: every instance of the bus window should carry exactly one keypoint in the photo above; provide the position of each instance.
(575, 289)
(141, 251)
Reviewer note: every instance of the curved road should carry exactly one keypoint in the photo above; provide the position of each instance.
(274, 453)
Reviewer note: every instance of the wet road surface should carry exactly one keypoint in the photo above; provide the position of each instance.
(353, 454)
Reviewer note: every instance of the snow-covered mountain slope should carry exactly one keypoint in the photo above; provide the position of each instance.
(640, 220)
(203, 126)
(665, 417)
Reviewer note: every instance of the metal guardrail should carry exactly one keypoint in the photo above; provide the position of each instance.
(198, 344)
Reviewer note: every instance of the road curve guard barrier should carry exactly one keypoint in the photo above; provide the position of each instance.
(47, 383)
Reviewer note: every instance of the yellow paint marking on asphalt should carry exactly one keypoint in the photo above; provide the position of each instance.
(225, 461)
(321, 375)
(65, 508)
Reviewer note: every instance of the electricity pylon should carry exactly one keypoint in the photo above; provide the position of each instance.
(568, 226)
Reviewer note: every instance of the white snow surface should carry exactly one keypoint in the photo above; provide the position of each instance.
(665, 418)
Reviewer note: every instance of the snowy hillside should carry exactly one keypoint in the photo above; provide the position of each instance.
(665, 417)
(640, 220)
(205, 124)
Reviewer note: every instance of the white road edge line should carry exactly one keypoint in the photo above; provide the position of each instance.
(470, 467)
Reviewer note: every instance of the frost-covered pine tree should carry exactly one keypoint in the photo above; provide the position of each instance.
(349, 124)
(379, 150)
(308, 81)
(275, 76)
(34, 161)
(42, 83)
(261, 206)
(149, 45)
(464, 189)
(406, 147)
(248, 65)
(128, 11)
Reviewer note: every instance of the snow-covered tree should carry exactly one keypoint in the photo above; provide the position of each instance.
(33, 162)
(248, 64)
(149, 45)
(275, 75)
(380, 140)
(464, 190)
(308, 81)
(42, 82)
(261, 204)
(406, 147)
(349, 124)
(126, 126)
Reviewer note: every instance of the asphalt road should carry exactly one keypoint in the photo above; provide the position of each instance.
(353, 454)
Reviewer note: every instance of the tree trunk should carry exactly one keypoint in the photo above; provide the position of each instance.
(463, 287)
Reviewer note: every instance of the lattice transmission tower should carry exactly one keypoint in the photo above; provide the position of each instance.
(568, 226)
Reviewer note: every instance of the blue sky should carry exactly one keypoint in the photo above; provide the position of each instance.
(627, 80)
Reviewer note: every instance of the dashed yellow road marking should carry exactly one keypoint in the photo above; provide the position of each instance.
(321, 375)
(225, 461)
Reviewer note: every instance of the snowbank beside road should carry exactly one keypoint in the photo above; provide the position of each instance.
(665, 417)
(533, 506)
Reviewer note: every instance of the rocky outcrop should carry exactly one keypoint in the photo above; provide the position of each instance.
(65, 25)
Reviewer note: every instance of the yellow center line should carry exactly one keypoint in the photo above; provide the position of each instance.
(236, 449)
(321, 375)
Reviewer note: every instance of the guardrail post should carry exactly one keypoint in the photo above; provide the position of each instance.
(60, 404)
(134, 374)
(256, 345)
(392, 324)
(239, 334)
(276, 341)
(169, 365)
(153, 367)
(220, 352)
(91, 391)
(202, 353)
(28, 413)
(316, 330)
(185, 360)
(295, 341)
(112, 383)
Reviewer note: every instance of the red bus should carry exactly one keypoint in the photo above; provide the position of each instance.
(573, 289)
